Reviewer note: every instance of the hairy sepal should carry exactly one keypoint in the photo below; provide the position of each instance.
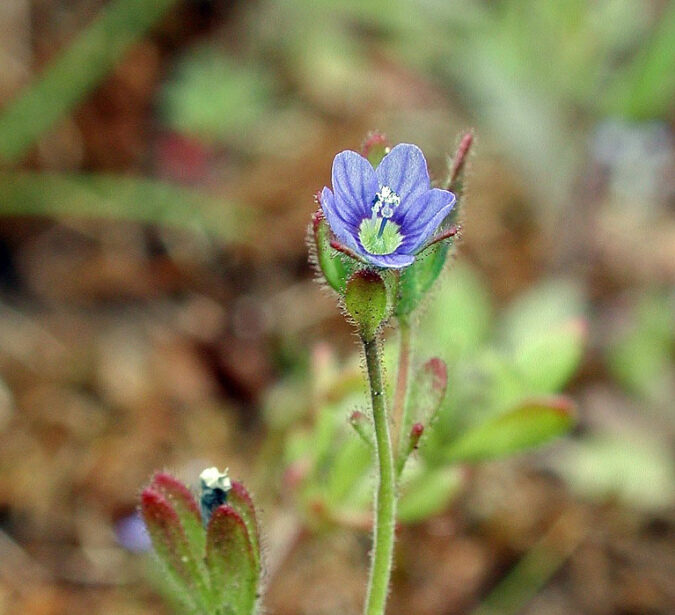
(231, 562)
(174, 551)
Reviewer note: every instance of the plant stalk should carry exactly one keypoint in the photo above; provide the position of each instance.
(385, 499)
(400, 406)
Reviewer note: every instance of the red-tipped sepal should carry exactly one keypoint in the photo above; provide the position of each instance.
(375, 147)
(173, 548)
(232, 564)
(240, 500)
(184, 505)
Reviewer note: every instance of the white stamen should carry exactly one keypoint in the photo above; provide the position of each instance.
(386, 200)
(214, 479)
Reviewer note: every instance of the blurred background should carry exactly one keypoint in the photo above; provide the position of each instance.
(157, 164)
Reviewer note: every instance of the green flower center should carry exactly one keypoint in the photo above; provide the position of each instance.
(378, 234)
(376, 242)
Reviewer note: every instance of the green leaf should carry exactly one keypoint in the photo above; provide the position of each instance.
(112, 197)
(637, 468)
(458, 318)
(353, 461)
(75, 72)
(548, 361)
(543, 333)
(527, 426)
(231, 563)
(533, 313)
(428, 493)
(640, 357)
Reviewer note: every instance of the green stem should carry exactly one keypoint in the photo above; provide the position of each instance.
(400, 409)
(385, 501)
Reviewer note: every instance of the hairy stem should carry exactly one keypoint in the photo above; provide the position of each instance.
(399, 410)
(385, 500)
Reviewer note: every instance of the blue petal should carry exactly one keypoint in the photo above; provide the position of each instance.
(424, 217)
(404, 170)
(391, 261)
(355, 186)
(345, 231)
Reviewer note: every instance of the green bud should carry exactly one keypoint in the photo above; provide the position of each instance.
(366, 302)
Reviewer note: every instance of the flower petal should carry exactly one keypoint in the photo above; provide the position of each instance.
(422, 219)
(345, 231)
(355, 186)
(404, 170)
(391, 261)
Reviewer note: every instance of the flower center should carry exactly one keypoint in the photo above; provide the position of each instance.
(378, 234)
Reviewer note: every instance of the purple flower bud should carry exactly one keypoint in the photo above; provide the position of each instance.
(132, 534)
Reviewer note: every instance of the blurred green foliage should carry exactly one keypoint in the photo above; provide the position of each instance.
(642, 356)
(525, 71)
(74, 73)
(120, 198)
(215, 98)
(631, 466)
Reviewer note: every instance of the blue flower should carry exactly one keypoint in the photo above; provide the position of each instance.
(385, 215)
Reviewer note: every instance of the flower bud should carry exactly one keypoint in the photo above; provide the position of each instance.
(366, 302)
(216, 566)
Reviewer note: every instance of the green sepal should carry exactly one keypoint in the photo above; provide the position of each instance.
(334, 267)
(174, 551)
(231, 563)
(240, 500)
(417, 279)
(184, 505)
(366, 300)
(527, 426)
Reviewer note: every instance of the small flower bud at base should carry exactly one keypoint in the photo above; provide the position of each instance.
(415, 435)
(366, 302)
